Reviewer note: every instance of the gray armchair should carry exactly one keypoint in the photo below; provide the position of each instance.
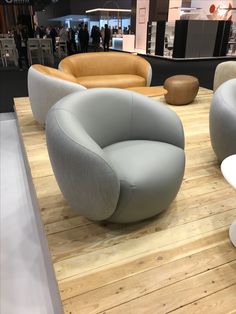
(117, 155)
(223, 120)
(46, 86)
(224, 71)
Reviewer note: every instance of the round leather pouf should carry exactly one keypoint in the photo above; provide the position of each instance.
(182, 89)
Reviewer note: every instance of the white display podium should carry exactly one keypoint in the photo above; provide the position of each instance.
(228, 169)
(123, 42)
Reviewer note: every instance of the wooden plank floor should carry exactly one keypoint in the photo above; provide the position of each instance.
(178, 262)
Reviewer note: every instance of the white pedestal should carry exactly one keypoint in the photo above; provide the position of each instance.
(228, 168)
(124, 43)
(232, 233)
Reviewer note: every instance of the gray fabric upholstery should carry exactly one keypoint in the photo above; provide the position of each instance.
(223, 120)
(45, 90)
(150, 175)
(224, 71)
(116, 154)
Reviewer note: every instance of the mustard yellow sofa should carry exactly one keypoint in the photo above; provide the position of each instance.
(108, 69)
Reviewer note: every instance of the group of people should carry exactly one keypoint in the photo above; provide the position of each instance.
(97, 35)
(77, 38)
(68, 35)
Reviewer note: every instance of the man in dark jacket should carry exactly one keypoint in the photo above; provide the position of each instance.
(96, 37)
(84, 38)
(107, 38)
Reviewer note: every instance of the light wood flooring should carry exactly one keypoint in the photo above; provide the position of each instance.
(178, 262)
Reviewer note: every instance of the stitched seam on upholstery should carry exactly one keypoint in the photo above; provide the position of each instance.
(85, 148)
(128, 184)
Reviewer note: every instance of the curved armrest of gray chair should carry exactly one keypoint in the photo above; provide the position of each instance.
(224, 71)
(116, 154)
(45, 90)
(222, 120)
(80, 166)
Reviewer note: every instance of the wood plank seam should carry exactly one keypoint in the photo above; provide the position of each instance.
(234, 284)
(195, 299)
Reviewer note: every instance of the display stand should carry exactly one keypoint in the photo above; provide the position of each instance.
(228, 168)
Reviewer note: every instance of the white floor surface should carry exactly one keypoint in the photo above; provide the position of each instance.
(24, 278)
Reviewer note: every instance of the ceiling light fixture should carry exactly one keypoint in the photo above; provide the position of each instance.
(107, 10)
(186, 8)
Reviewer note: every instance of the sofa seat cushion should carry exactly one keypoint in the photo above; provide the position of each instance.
(150, 175)
(118, 80)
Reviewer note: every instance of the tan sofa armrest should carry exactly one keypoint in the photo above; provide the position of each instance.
(143, 68)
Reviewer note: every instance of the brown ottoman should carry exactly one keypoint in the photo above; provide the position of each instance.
(182, 89)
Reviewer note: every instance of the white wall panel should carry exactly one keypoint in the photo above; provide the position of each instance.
(142, 15)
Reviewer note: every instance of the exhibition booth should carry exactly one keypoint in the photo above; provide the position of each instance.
(117, 168)
(201, 29)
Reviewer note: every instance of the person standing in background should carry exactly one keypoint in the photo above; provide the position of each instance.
(63, 34)
(107, 38)
(96, 37)
(21, 37)
(73, 47)
(84, 38)
(53, 35)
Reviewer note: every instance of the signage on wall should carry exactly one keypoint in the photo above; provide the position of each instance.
(16, 2)
(142, 16)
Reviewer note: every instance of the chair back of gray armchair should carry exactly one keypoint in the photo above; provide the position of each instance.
(111, 115)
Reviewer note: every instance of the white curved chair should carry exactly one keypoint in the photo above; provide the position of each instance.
(46, 86)
(224, 71)
(222, 120)
(228, 169)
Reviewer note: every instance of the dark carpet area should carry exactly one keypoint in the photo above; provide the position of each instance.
(13, 83)
(203, 69)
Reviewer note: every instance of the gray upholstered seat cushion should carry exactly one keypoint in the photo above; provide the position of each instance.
(150, 175)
